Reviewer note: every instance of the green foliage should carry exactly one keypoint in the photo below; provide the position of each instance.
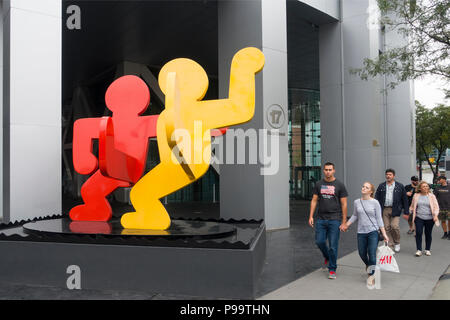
(426, 23)
(432, 133)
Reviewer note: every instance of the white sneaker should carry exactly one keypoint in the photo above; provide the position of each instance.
(427, 253)
(418, 253)
(397, 248)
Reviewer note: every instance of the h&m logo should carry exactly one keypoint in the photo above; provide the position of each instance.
(385, 260)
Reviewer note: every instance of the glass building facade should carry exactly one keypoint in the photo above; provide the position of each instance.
(304, 141)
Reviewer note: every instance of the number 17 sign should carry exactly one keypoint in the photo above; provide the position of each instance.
(275, 116)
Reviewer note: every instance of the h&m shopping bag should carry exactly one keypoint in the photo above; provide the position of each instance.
(386, 260)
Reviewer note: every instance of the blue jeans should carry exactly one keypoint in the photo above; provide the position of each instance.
(367, 248)
(328, 230)
(428, 226)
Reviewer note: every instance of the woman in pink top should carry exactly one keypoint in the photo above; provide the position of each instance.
(425, 209)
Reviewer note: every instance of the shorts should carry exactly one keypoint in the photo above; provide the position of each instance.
(444, 215)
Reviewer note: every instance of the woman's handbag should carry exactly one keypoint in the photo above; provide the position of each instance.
(380, 235)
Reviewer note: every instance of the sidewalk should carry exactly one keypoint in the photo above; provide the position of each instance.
(417, 278)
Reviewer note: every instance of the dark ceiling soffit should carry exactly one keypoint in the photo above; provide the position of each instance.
(306, 12)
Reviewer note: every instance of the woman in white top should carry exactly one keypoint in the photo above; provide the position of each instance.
(367, 211)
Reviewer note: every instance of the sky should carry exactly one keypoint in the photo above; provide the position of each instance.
(428, 91)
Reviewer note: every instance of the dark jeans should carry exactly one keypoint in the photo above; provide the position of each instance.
(367, 248)
(328, 230)
(420, 225)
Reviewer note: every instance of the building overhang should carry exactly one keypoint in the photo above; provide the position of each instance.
(321, 11)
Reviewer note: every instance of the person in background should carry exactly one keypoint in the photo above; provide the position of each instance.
(410, 190)
(331, 196)
(442, 193)
(393, 200)
(425, 209)
(367, 211)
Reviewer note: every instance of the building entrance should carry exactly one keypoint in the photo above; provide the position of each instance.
(303, 102)
(304, 142)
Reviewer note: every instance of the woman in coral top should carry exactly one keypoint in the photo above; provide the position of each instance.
(425, 209)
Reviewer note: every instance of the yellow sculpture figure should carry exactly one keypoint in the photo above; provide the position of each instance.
(184, 83)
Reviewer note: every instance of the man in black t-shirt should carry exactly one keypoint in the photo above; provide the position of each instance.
(410, 190)
(442, 193)
(331, 196)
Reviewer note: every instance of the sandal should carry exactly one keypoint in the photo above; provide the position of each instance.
(371, 282)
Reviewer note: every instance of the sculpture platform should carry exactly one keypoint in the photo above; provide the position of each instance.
(179, 229)
(224, 264)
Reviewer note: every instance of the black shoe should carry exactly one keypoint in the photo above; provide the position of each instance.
(445, 236)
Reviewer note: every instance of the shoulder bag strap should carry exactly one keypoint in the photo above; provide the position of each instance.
(364, 209)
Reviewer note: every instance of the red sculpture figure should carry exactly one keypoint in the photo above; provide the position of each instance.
(123, 144)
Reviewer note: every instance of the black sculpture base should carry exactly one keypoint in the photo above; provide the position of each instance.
(178, 229)
(220, 267)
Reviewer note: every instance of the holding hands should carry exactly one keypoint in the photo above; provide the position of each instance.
(344, 227)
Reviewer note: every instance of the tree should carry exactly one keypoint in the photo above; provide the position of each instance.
(426, 23)
(432, 133)
(423, 134)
